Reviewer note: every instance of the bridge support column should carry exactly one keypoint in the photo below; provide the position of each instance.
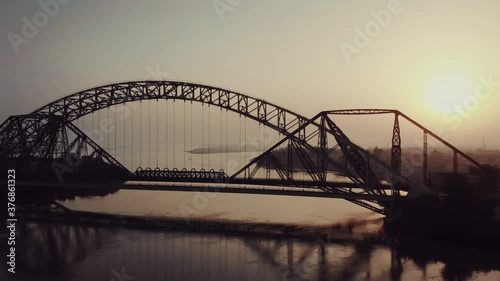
(455, 162)
(290, 160)
(425, 172)
(396, 146)
(395, 153)
(323, 146)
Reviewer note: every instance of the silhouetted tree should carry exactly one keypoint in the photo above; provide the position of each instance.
(377, 152)
(490, 176)
(457, 186)
(437, 155)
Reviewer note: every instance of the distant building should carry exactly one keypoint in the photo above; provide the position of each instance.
(437, 180)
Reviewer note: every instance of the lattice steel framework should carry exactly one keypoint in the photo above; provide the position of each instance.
(43, 134)
(39, 142)
(80, 104)
(396, 141)
(176, 174)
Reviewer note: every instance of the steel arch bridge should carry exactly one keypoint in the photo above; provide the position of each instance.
(36, 143)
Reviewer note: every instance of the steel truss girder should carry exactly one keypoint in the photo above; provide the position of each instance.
(303, 142)
(456, 151)
(302, 145)
(356, 159)
(269, 159)
(97, 149)
(31, 136)
(80, 104)
(292, 137)
(167, 174)
(44, 137)
(307, 162)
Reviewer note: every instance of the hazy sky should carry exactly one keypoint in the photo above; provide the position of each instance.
(422, 57)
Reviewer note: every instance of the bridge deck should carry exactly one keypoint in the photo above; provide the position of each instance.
(222, 188)
(261, 182)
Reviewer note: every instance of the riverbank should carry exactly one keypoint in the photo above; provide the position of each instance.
(463, 222)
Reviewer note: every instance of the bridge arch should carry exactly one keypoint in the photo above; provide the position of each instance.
(290, 124)
(77, 105)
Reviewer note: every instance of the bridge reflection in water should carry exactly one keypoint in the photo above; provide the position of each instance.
(63, 251)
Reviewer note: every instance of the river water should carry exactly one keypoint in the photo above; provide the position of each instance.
(55, 251)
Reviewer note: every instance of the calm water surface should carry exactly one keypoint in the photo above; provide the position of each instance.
(50, 251)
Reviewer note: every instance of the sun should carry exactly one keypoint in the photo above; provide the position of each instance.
(447, 91)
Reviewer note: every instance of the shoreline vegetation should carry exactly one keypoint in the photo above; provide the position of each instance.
(462, 222)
